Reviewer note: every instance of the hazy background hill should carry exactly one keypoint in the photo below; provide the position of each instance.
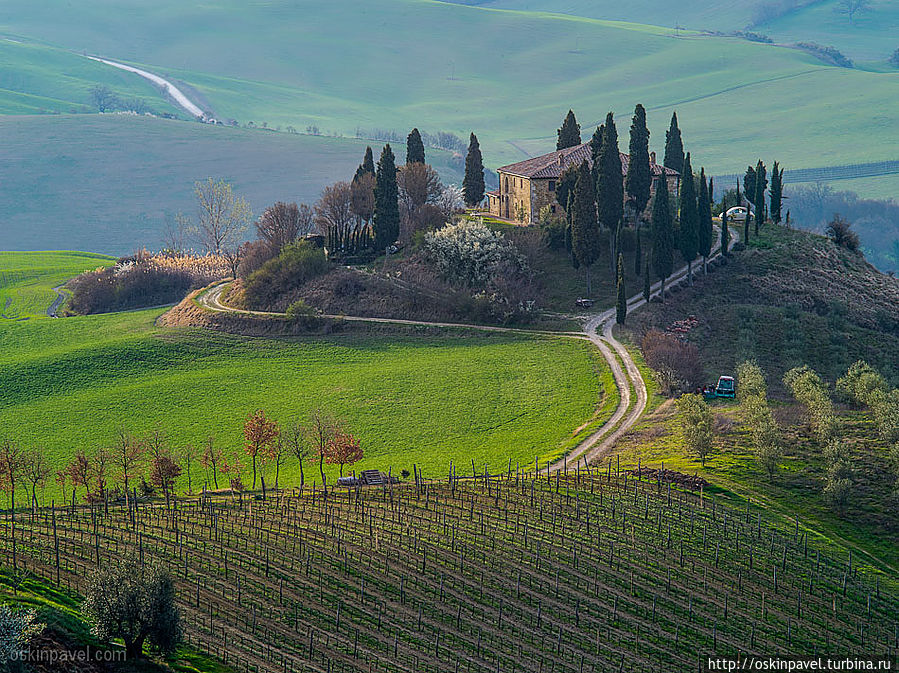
(345, 68)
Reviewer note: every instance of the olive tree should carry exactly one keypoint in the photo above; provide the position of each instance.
(696, 425)
(133, 601)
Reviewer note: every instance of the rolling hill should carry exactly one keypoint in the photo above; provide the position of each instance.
(108, 183)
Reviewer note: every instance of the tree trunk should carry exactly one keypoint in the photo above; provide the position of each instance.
(690, 273)
(254, 471)
(662, 291)
(135, 650)
(302, 477)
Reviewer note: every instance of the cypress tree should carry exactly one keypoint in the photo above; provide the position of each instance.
(689, 218)
(748, 215)
(674, 147)
(776, 192)
(367, 165)
(639, 175)
(749, 185)
(596, 149)
(584, 229)
(386, 220)
(638, 255)
(473, 182)
(415, 148)
(569, 133)
(621, 303)
(662, 234)
(761, 183)
(609, 184)
(706, 232)
(647, 285)
(725, 234)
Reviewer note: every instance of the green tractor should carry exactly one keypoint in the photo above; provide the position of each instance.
(726, 388)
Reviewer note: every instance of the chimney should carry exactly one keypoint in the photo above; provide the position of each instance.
(652, 157)
(560, 158)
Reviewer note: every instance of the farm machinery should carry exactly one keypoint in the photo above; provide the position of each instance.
(725, 388)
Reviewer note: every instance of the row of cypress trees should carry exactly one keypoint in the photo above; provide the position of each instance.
(386, 212)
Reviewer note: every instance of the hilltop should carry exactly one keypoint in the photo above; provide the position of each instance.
(789, 298)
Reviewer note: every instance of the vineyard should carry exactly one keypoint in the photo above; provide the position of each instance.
(593, 570)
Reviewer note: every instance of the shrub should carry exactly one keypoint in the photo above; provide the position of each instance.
(827, 54)
(304, 315)
(296, 264)
(133, 601)
(696, 425)
(471, 254)
(676, 364)
(17, 627)
(840, 232)
(143, 280)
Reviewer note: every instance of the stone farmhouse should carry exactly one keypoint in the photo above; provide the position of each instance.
(526, 187)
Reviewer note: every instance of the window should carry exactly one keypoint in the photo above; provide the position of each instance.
(552, 209)
(506, 183)
(552, 185)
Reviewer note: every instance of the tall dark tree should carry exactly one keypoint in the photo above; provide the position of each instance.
(639, 175)
(609, 184)
(674, 147)
(706, 231)
(638, 254)
(473, 182)
(748, 218)
(749, 184)
(584, 228)
(725, 234)
(367, 167)
(776, 192)
(647, 283)
(569, 133)
(688, 242)
(662, 234)
(415, 148)
(386, 218)
(761, 183)
(621, 299)
(565, 188)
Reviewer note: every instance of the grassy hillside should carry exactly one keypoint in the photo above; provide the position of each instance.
(36, 78)
(27, 279)
(107, 183)
(791, 298)
(67, 633)
(73, 383)
(577, 575)
(363, 76)
(871, 36)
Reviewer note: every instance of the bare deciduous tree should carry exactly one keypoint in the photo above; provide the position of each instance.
(35, 470)
(223, 215)
(300, 446)
(212, 457)
(175, 233)
(321, 430)
(418, 185)
(187, 454)
(852, 7)
(127, 456)
(334, 210)
(363, 196)
(78, 471)
(283, 223)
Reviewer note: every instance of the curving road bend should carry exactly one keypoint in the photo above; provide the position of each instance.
(598, 329)
(177, 95)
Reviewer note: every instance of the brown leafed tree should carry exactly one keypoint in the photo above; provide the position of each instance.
(321, 430)
(259, 433)
(334, 210)
(283, 223)
(362, 196)
(78, 471)
(164, 473)
(36, 470)
(223, 216)
(127, 458)
(11, 465)
(343, 449)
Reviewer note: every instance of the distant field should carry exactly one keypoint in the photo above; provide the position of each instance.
(107, 183)
(72, 383)
(508, 75)
(27, 279)
(36, 79)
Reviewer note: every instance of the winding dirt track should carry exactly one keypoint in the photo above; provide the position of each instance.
(598, 329)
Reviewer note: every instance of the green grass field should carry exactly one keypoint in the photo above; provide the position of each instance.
(340, 67)
(27, 279)
(107, 183)
(72, 383)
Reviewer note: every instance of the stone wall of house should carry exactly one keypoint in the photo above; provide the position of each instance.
(542, 196)
(515, 198)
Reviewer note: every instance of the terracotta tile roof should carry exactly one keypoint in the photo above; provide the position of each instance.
(552, 165)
